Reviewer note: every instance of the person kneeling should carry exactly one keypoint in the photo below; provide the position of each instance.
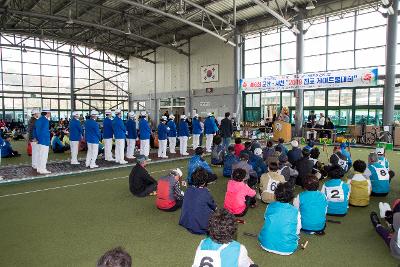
(312, 205)
(280, 232)
(239, 196)
(6, 148)
(141, 184)
(220, 246)
(169, 193)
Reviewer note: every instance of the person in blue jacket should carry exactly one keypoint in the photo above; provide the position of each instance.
(313, 206)
(75, 136)
(108, 136)
(198, 204)
(144, 134)
(379, 176)
(337, 194)
(210, 128)
(229, 160)
(6, 149)
(346, 153)
(183, 134)
(196, 162)
(256, 161)
(131, 136)
(42, 134)
(92, 137)
(162, 131)
(119, 130)
(56, 145)
(196, 129)
(281, 229)
(172, 134)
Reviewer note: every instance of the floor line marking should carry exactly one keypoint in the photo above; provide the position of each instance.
(74, 185)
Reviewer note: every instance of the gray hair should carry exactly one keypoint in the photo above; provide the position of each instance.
(373, 157)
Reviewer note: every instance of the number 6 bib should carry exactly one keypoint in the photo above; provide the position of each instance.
(208, 258)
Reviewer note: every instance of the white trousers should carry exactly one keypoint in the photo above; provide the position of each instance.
(145, 147)
(162, 148)
(91, 156)
(209, 141)
(35, 154)
(42, 157)
(74, 151)
(196, 141)
(119, 150)
(172, 144)
(108, 149)
(311, 133)
(183, 145)
(130, 148)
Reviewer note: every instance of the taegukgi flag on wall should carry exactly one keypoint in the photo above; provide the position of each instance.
(330, 79)
(209, 73)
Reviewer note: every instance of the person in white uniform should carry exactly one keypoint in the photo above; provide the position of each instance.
(172, 134)
(162, 131)
(119, 130)
(144, 133)
(131, 133)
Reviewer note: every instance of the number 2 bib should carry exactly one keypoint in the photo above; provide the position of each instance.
(335, 193)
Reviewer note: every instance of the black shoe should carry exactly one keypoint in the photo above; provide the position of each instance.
(374, 219)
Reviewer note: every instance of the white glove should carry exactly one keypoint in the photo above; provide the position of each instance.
(168, 129)
(383, 208)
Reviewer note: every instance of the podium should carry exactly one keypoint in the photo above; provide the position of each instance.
(282, 129)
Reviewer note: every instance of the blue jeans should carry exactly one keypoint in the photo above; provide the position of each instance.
(227, 141)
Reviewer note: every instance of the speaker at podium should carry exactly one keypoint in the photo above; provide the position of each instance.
(282, 129)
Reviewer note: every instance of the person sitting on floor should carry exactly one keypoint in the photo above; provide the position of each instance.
(218, 151)
(229, 160)
(295, 153)
(198, 204)
(392, 218)
(281, 144)
(197, 161)
(314, 155)
(56, 144)
(345, 152)
(360, 186)
(287, 171)
(257, 162)
(305, 166)
(310, 145)
(379, 176)
(6, 149)
(337, 193)
(141, 184)
(268, 150)
(337, 166)
(251, 175)
(380, 151)
(239, 196)
(116, 257)
(169, 193)
(269, 181)
(312, 205)
(239, 147)
(281, 229)
(220, 246)
(247, 149)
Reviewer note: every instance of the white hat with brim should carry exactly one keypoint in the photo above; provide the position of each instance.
(94, 113)
(75, 114)
(131, 114)
(108, 112)
(380, 150)
(117, 111)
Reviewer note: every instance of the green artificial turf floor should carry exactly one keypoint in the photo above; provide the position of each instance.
(72, 221)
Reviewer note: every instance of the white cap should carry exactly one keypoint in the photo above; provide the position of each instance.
(131, 114)
(46, 110)
(183, 117)
(196, 115)
(294, 143)
(143, 113)
(117, 111)
(75, 114)
(178, 171)
(258, 151)
(94, 113)
(35, 111)
(380, 151)
(164, 118)
(108, 112)
(210, 114)
(172, 116)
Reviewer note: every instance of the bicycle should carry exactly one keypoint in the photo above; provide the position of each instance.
(369, 138)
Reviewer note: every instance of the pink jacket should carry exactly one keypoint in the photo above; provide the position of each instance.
(235, 196)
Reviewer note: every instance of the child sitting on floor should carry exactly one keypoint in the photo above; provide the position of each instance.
(198, 204)
(218, 151)
(269, 181)
(312, 205)
(220, 246)
(238, 146)
(229, 160)
(337, 193)
(360, 186)
(281, 229)
(239, 196)
(257, 162)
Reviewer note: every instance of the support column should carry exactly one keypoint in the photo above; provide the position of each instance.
(299, 70)
(156, 113)
(72, 79)
(190, 99)
(237, 66)
(391, 43)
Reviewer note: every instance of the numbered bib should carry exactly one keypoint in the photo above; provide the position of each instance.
(342, 163)
(208, 258)
(271, 186)
(335, 193)
(382, 173)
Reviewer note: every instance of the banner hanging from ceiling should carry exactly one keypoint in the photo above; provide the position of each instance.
(330, 79)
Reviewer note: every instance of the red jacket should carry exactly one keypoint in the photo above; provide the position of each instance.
(165, 192)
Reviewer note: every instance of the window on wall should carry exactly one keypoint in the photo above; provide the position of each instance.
(314, 98)
(288, 99)
(252, 100)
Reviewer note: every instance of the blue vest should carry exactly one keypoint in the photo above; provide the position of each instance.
(118, 128)
(75, 130)
(336, 193)
(196, 126)
(162, 131)
(172, 128)
(383, 161)
(92, 131)
(107, 128)
(131, 128)
(380, 181)
(279, 232)
(313, 206)
(42, 131)
(229, 255)
(144, 129)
